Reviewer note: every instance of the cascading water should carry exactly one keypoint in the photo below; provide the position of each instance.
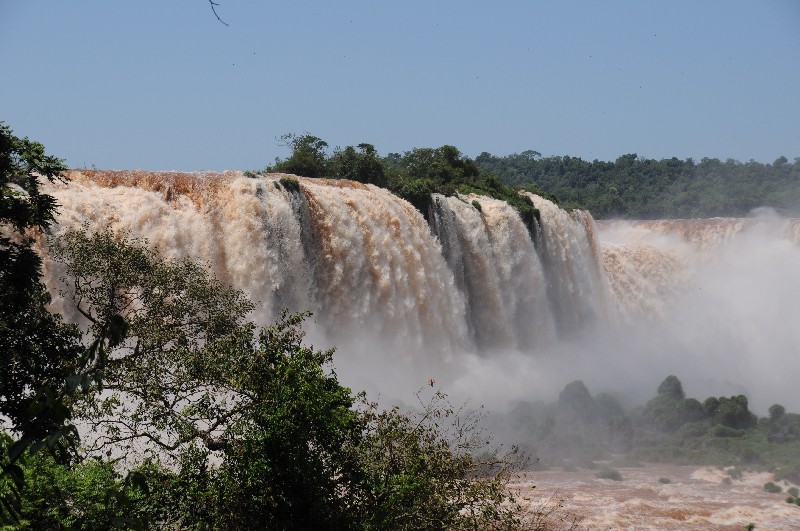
(364, 261)
(359, 257)
(378, 270)
(470, 298)
(497, 268)
(576, 282)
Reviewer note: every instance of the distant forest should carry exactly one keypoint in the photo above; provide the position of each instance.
(636, 188)
(629, 187)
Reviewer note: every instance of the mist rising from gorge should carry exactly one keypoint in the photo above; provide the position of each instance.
(491, 310)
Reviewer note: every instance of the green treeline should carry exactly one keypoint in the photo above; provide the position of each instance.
(414, 175)
(629, 187)
(636, 188)
(579, 429)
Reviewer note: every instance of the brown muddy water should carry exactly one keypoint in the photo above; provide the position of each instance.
(694, 498)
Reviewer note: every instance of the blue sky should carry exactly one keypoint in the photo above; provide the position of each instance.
(161, 84)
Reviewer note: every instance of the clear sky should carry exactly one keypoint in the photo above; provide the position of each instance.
(158, 84)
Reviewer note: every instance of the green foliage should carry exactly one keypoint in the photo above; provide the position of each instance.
(444, 167)
(308, 158)
(360, 164)
(664, 430)
(576, 400)
(668, 411)
(91, 495)
(288, 456)
(734, 413)
(724, 431)
(639, 188)
(417, 192)
(665, 481)
(434, 470)
(37, 347)
(789, 472)
(185, 336)
(290, 184)
(772, 487)
(710, 406)
(491, 186)
(261, 430)
(792, 491)
(401, 471)
(413, 176)
(776, 412)
(39, 351)
(477, 206)
(672, 388)
(609, 473)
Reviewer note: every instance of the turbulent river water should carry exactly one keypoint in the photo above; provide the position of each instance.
(492, 309)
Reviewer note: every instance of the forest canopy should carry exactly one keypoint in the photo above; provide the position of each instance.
(629, 187)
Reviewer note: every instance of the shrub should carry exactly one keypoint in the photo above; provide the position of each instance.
(664, 480)
(793, 491)
(789, 473)
(418, 193)
(710, 406)
(477, 205)
(290, 184)
(671, 387)
(724, 431)
(776, 411)
(772, 487)
(734, 413)
(609, 473)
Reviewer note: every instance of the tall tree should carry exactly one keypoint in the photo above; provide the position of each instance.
(37, 347)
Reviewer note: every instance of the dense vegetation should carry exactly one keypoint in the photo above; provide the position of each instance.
(193, 418)
(636, 188)
(414, 175)
(580, 428)
(629, 187)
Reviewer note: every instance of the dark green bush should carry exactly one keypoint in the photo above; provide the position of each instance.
(290, 184)
(418, 193)
(772, 487)
(776, 411)
(724, 431)
(671, 387)
(609, 473)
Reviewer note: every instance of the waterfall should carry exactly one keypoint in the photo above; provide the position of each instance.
(473, 300)
(379, 271)
(364, 261)
(497, 268)
(576, 280)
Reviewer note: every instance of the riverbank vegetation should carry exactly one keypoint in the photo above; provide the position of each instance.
(580, 429)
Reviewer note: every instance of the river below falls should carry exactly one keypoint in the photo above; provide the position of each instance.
(694, 498)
